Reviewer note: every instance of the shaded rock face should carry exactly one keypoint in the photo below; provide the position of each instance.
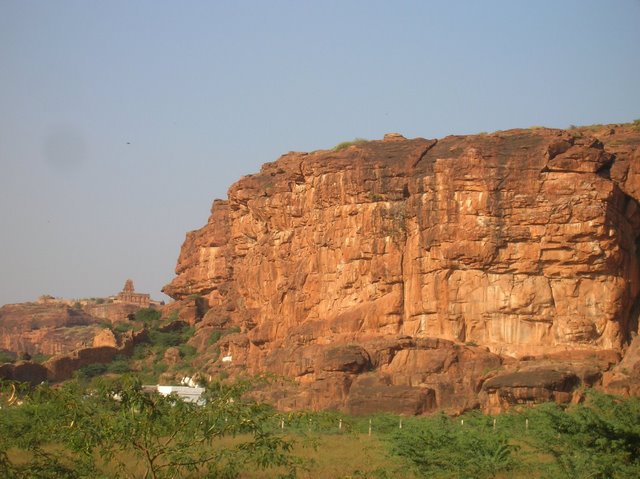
(522, 242)
(72, 336)
(105, 348)
(24, 371)
(624, 379)
(45, 328)
(559, 377)
(112, 312)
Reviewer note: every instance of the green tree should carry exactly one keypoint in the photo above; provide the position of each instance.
(440, 447)
(598, 439)
(137, 434)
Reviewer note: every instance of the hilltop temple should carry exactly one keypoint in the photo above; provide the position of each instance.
(128, 295)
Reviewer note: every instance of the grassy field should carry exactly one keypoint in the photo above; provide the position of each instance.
(342, 456)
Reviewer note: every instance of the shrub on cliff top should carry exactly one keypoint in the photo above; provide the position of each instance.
(347, 144)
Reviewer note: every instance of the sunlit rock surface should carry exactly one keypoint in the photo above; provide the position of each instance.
(518, 244)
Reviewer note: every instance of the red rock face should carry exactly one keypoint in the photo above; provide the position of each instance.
(523, 242)
(45, 328)
(112, 312)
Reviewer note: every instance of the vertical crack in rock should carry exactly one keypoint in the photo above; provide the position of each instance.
(424, 153)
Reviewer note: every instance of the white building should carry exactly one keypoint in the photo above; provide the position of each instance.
(186, 393)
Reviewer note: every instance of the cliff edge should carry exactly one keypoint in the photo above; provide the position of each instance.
(404, 274)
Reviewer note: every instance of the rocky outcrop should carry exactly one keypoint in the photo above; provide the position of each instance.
(522, 242)
(45, 328)
(560, 377)
(624, 379)
(106, 347)
(24, 371)
(112, 312)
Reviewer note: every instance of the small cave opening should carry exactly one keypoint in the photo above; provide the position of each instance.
(605, 170)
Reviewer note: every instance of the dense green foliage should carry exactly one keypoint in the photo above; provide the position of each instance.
(440, 447)
(597, 439)
(147, 315)
(117, 430)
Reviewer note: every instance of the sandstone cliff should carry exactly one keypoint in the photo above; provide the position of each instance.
(520, 243)
(45, 328)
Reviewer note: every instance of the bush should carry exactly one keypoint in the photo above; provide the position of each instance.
(6, 357)
(119, 366)
(440, 447)
(347, 144)
(92, 370)
(40, 358)
(122, 327)
(140, 351)
(599, 439)
(187, 351)
(71, 433)
(147, 315)
(166, 339)
(215, 336)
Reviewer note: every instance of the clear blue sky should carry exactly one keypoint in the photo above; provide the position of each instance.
(120, 121)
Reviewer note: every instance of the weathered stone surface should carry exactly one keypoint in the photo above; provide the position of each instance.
(112, 312)
(522, 242)
(191, 310)
(529, 386)
(63, 366)
(371, 393)
(45, 328)
(172, 356)
(106, 348)
(624, 379)
(559, 377)
(24, 371)
(106, 337)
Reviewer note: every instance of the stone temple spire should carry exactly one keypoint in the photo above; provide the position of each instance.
(128, 295)
(128, 286)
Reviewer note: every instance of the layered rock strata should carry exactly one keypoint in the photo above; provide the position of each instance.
(45, 328)
(521, 242)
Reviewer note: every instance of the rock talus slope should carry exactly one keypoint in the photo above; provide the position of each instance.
(408, 270)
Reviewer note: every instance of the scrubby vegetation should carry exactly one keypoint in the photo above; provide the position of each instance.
(7, 357)
(114, 429)
(347, 144)
(147, 360)
(147, 315)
